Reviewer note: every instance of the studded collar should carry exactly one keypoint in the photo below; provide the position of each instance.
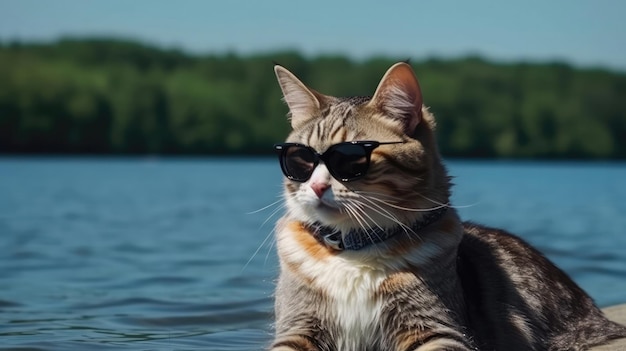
(357, 239)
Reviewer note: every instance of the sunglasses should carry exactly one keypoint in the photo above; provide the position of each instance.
(345, 161)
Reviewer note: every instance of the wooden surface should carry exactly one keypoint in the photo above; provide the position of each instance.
(618, 314)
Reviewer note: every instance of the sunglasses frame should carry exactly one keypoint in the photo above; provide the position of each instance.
(367, 145)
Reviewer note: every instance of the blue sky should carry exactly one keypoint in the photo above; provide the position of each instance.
(583, 33)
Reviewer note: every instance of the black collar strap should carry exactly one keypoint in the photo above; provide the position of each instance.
(357, 239)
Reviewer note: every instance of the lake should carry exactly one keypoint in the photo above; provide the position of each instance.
(172, 254)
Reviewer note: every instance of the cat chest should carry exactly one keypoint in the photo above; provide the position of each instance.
(350, 288)
(357, 322)
(355, 303)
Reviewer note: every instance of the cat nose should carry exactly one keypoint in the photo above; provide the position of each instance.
(319, 188)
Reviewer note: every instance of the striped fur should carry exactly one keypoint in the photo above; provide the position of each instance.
(449, 286)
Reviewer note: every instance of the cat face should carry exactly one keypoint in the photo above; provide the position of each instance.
(401, 179)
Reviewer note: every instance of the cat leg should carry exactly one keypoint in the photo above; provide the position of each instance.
(294, 343)
(439, 344)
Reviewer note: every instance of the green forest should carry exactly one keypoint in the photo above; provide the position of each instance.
(112, 96)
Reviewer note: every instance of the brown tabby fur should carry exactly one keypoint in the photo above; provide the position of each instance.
(448, 286)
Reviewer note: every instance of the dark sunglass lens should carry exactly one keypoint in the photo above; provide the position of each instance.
(299, 162)
(348, 161)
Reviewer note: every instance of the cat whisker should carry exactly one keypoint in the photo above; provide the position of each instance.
(358, 212)
(381, 196)
(359, 207)
(271, 234)
(377, 194)
(407, 208)
(376, 197)
(274, 212)
(411, 234)
(266, 207)
(282, 205)
(267, 254)
(380, 210)
(354, 214)
(446, 205)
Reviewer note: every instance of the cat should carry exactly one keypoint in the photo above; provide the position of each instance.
(374, 257)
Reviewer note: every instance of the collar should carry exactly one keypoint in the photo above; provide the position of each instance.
(357, 239)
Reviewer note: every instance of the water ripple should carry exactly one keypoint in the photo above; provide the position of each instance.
(121, 254)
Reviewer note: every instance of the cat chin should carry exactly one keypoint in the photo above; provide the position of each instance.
(323, 213)
(327, 216)
(318, 212)
(311, 209)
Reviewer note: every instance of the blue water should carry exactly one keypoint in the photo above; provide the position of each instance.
(151, 254)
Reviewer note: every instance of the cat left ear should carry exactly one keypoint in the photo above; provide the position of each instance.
(303, 103)
(399, 96)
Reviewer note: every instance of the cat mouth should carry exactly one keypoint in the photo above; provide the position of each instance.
(327, 206)
(329, 213)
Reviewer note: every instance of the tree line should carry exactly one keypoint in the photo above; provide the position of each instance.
(112, 96)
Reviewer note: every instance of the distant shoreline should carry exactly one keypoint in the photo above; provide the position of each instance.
(119, 97)
(267, 156)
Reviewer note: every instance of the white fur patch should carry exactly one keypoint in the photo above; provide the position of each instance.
(351, 280)
(350, 283)
(357, 310)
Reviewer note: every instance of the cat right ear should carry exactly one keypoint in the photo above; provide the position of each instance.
(399, 96)
(303, 103)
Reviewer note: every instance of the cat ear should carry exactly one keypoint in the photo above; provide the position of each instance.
(303, 102)
(399, 96)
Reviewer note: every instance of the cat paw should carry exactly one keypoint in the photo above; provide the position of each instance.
(294, 343)
(444, 345)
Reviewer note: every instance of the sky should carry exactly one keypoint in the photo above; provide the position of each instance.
(582, 33)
